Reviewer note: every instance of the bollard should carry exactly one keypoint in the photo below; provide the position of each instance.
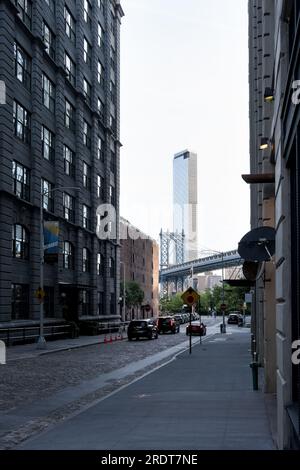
(254, 367)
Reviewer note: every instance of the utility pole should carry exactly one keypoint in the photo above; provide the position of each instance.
(41, 343)
(124, 292)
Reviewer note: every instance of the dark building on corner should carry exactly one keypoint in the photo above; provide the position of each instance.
(59, 135)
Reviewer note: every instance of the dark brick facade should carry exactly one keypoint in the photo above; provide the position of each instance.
(140, 255)
(66, 288)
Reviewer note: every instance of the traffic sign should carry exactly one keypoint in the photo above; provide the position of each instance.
(223, 306)
(190, 296)
(40, 294)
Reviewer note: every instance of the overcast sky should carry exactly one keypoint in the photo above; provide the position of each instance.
(184, 85)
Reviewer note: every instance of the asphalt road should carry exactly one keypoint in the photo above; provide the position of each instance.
(202, 401)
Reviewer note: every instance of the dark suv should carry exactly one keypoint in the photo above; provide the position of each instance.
(235, 318)
(167, 325)
(142, 329)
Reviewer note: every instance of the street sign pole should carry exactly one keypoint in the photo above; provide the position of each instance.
(190, 332)
(200, 318)
(190, 297)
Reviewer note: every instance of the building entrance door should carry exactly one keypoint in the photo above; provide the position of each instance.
(69, 297)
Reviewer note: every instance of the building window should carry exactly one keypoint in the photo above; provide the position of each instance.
(20, 242)
(111, 267)
(86, 260)
(22, 65)
(87, 91)
(47, 195)
(48, 149)
(21, 181)
(101, 5)
(100, 298)
(86, 176)
(21, 121)
(101, 108)
(48, 40)
(69, 24)
(86, 217)
(68, 207)
(86, 134)
(19, 302)
(112, 195)
(69, 115)
(112, 23)
(50, 4)
(68, 256)
(86, 302)
(87, 12)
(100, 264)
(112, 123)
(100, 148)
(70, 69)
(100, 186)
(69, 161)
(100, 73)
(25, 11)
(112, 161)
(112, 92)
(87, 52)
(112, 58)
(100, 36)
(48, 93)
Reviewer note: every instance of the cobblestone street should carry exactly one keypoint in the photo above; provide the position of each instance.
(26, 380)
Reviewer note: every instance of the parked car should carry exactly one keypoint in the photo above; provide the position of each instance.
(196, 328)
(178, 317)
(142, 329)
(167, 325)
(235, 319)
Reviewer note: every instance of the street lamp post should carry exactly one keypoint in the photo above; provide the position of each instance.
(223, 294)
(41, 343)
(124, 292)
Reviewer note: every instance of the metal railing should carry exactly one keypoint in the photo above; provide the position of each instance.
(24, 334)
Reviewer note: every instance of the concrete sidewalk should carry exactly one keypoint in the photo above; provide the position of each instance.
(199, 401)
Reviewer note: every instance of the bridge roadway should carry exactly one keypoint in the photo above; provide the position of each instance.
(210, 263)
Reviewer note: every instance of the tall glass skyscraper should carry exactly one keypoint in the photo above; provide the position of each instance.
(185, 200)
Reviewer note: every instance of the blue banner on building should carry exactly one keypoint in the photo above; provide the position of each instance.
(51, 232)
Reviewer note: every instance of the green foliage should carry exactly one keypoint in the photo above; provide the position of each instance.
(171, 305)
(134, 294)
(212, 299)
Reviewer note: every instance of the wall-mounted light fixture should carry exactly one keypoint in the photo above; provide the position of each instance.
(264, 143)
(269, 95)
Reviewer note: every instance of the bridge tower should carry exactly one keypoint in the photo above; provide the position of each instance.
(171, 243)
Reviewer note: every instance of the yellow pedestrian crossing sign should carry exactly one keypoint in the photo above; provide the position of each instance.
(40, 294)
(190, 296)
